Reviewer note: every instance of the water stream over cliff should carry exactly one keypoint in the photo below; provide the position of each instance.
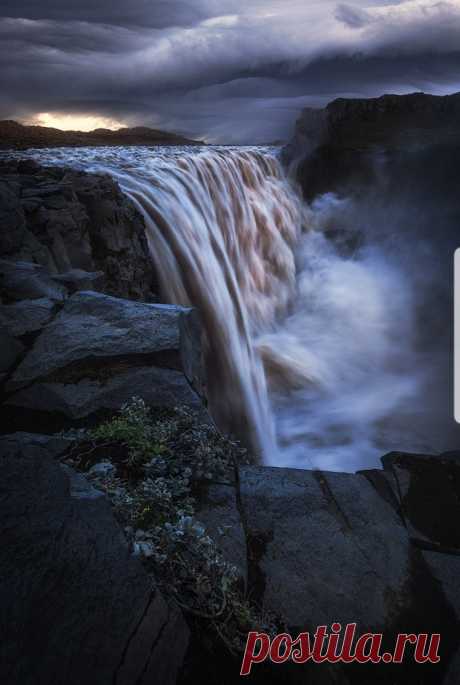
(222, 226)
(310, 328)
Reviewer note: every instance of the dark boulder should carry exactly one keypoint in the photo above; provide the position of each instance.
(92, 329)
(95, 354)
(98, 392)
(77, 607)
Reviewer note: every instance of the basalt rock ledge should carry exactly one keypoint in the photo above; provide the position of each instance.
(78, 226)
(344, 145)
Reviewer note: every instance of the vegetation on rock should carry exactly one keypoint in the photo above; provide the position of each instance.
(162, 462)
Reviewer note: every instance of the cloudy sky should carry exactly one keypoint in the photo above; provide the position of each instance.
(223, 70)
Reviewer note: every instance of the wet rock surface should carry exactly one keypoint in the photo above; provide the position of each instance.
(77, 606)
(70, 221)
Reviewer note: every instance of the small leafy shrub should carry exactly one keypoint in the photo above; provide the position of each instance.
(165, 459)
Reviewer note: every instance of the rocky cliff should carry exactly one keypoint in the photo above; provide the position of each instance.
(336, 148)
(78, 226)
(78, 603)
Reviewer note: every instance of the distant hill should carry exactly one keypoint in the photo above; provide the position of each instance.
(19, 137)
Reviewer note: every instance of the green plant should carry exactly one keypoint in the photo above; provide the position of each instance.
(132, 428)
(162, 460)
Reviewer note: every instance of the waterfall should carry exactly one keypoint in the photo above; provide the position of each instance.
(222, 226)
(315, 348)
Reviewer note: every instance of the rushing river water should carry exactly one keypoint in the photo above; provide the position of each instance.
(311, 326)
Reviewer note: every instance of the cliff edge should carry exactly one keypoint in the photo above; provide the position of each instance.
(336, 147)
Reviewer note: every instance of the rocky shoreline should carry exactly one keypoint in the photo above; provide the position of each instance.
(82, 332)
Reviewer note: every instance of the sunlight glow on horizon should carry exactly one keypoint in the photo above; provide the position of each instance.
(73, 122)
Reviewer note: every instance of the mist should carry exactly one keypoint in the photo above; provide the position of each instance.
(370, 331)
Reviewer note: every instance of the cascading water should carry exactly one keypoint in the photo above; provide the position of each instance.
(310, 320)
(222, 226)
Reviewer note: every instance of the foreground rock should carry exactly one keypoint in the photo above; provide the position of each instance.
(93, 327)
(378, 548)
(325, 547)
(76, 224)
(92, 355)
(77, 606)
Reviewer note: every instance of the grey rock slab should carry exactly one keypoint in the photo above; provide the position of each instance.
(94, 326)
(77, 607)
(80, 488)
(156, 386)
(218, 511)
(191, 350)
(385, 484)
(26, 316)
(323, 547)
(26, 280)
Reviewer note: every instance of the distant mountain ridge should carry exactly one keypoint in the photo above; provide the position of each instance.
(20, 137)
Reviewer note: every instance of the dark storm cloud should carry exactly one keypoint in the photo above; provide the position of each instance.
(148, 13)
(229, 70)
